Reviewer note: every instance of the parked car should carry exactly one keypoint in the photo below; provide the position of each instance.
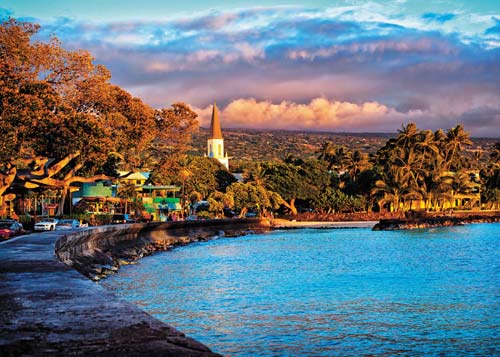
(47, 224)
(120, 219)
(10, 228)
(229, 213)
(64, 224)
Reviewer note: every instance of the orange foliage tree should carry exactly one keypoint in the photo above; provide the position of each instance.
(62, 121)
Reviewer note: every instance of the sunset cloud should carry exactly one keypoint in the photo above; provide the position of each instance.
(320, 114)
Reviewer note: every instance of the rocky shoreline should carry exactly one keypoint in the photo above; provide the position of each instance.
(102, 253)
(436, 221)
(99, 254)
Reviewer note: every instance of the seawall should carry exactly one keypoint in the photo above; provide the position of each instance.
(48, 308)
(101, 251)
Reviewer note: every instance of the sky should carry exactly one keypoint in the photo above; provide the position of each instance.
(341, 66)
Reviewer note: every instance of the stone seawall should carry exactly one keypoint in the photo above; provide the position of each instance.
(100, 251)
(48, 308)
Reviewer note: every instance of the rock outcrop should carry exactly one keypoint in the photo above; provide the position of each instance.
(429, 221)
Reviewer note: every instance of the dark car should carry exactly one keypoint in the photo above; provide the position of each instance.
(10, 228)
(120, 219)
(228, 212)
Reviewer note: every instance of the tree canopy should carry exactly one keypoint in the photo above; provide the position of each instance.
(57, 106)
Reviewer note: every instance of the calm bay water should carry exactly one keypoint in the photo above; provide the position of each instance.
(346, 292)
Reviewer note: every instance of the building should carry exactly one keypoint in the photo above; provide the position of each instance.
(215, 143)
(158, 200)
(96, 197)
(130, 194)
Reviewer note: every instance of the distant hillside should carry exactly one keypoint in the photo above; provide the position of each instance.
(266, 145)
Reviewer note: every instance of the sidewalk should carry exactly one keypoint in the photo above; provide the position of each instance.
(47, 308)
(286, 224)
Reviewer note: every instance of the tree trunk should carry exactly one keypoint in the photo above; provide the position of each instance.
(243, 212)
(6, 180)
(62, 201)
(291, 205)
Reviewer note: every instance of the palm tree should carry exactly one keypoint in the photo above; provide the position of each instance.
(256, 175)
(495, 153)
(495, 165)
(407, 135)
(127, 192)
(411, 166)
(464, 185)
(355, 162)
(326, 152)
(427, 147)
(392, 187)
(336, 156)
(440, 189)
(456, 139)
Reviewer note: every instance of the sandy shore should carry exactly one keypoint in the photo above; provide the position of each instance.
(286, 224)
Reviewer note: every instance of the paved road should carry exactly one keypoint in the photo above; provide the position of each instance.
(48, 308)
(287, 224)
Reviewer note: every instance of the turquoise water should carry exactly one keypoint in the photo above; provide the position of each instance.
(346, 292)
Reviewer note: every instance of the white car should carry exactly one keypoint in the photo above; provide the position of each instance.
(48, 224)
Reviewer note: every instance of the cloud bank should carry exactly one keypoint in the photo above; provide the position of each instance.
(319, 114)
(322, 114)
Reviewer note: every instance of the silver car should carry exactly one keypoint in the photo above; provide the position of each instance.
(48, 224)
(64, 224)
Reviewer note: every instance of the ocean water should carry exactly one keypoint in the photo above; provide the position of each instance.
(339, 292)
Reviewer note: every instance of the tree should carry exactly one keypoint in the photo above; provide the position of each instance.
(407, 135)
(287, 181)
(390, 189)
(335, 156)
(205, 175)
(175, 127)
(57, 104)
(355, 163)
(218, 201)
(36, 116)
(334, 200)
(127, 192)
(251, 197)
(456, 139)
(494, 167)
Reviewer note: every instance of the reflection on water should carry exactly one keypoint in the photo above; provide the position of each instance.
(329, 292)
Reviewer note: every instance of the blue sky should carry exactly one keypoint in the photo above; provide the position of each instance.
(319, 65)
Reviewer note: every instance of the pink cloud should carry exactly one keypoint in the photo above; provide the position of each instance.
(319, 114)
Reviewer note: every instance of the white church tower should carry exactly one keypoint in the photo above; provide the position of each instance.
(215, 143)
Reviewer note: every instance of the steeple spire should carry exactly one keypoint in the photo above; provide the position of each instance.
(215, 142)
(215, 131)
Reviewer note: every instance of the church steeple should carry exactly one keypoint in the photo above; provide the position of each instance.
(215, 130)
(215, 142)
